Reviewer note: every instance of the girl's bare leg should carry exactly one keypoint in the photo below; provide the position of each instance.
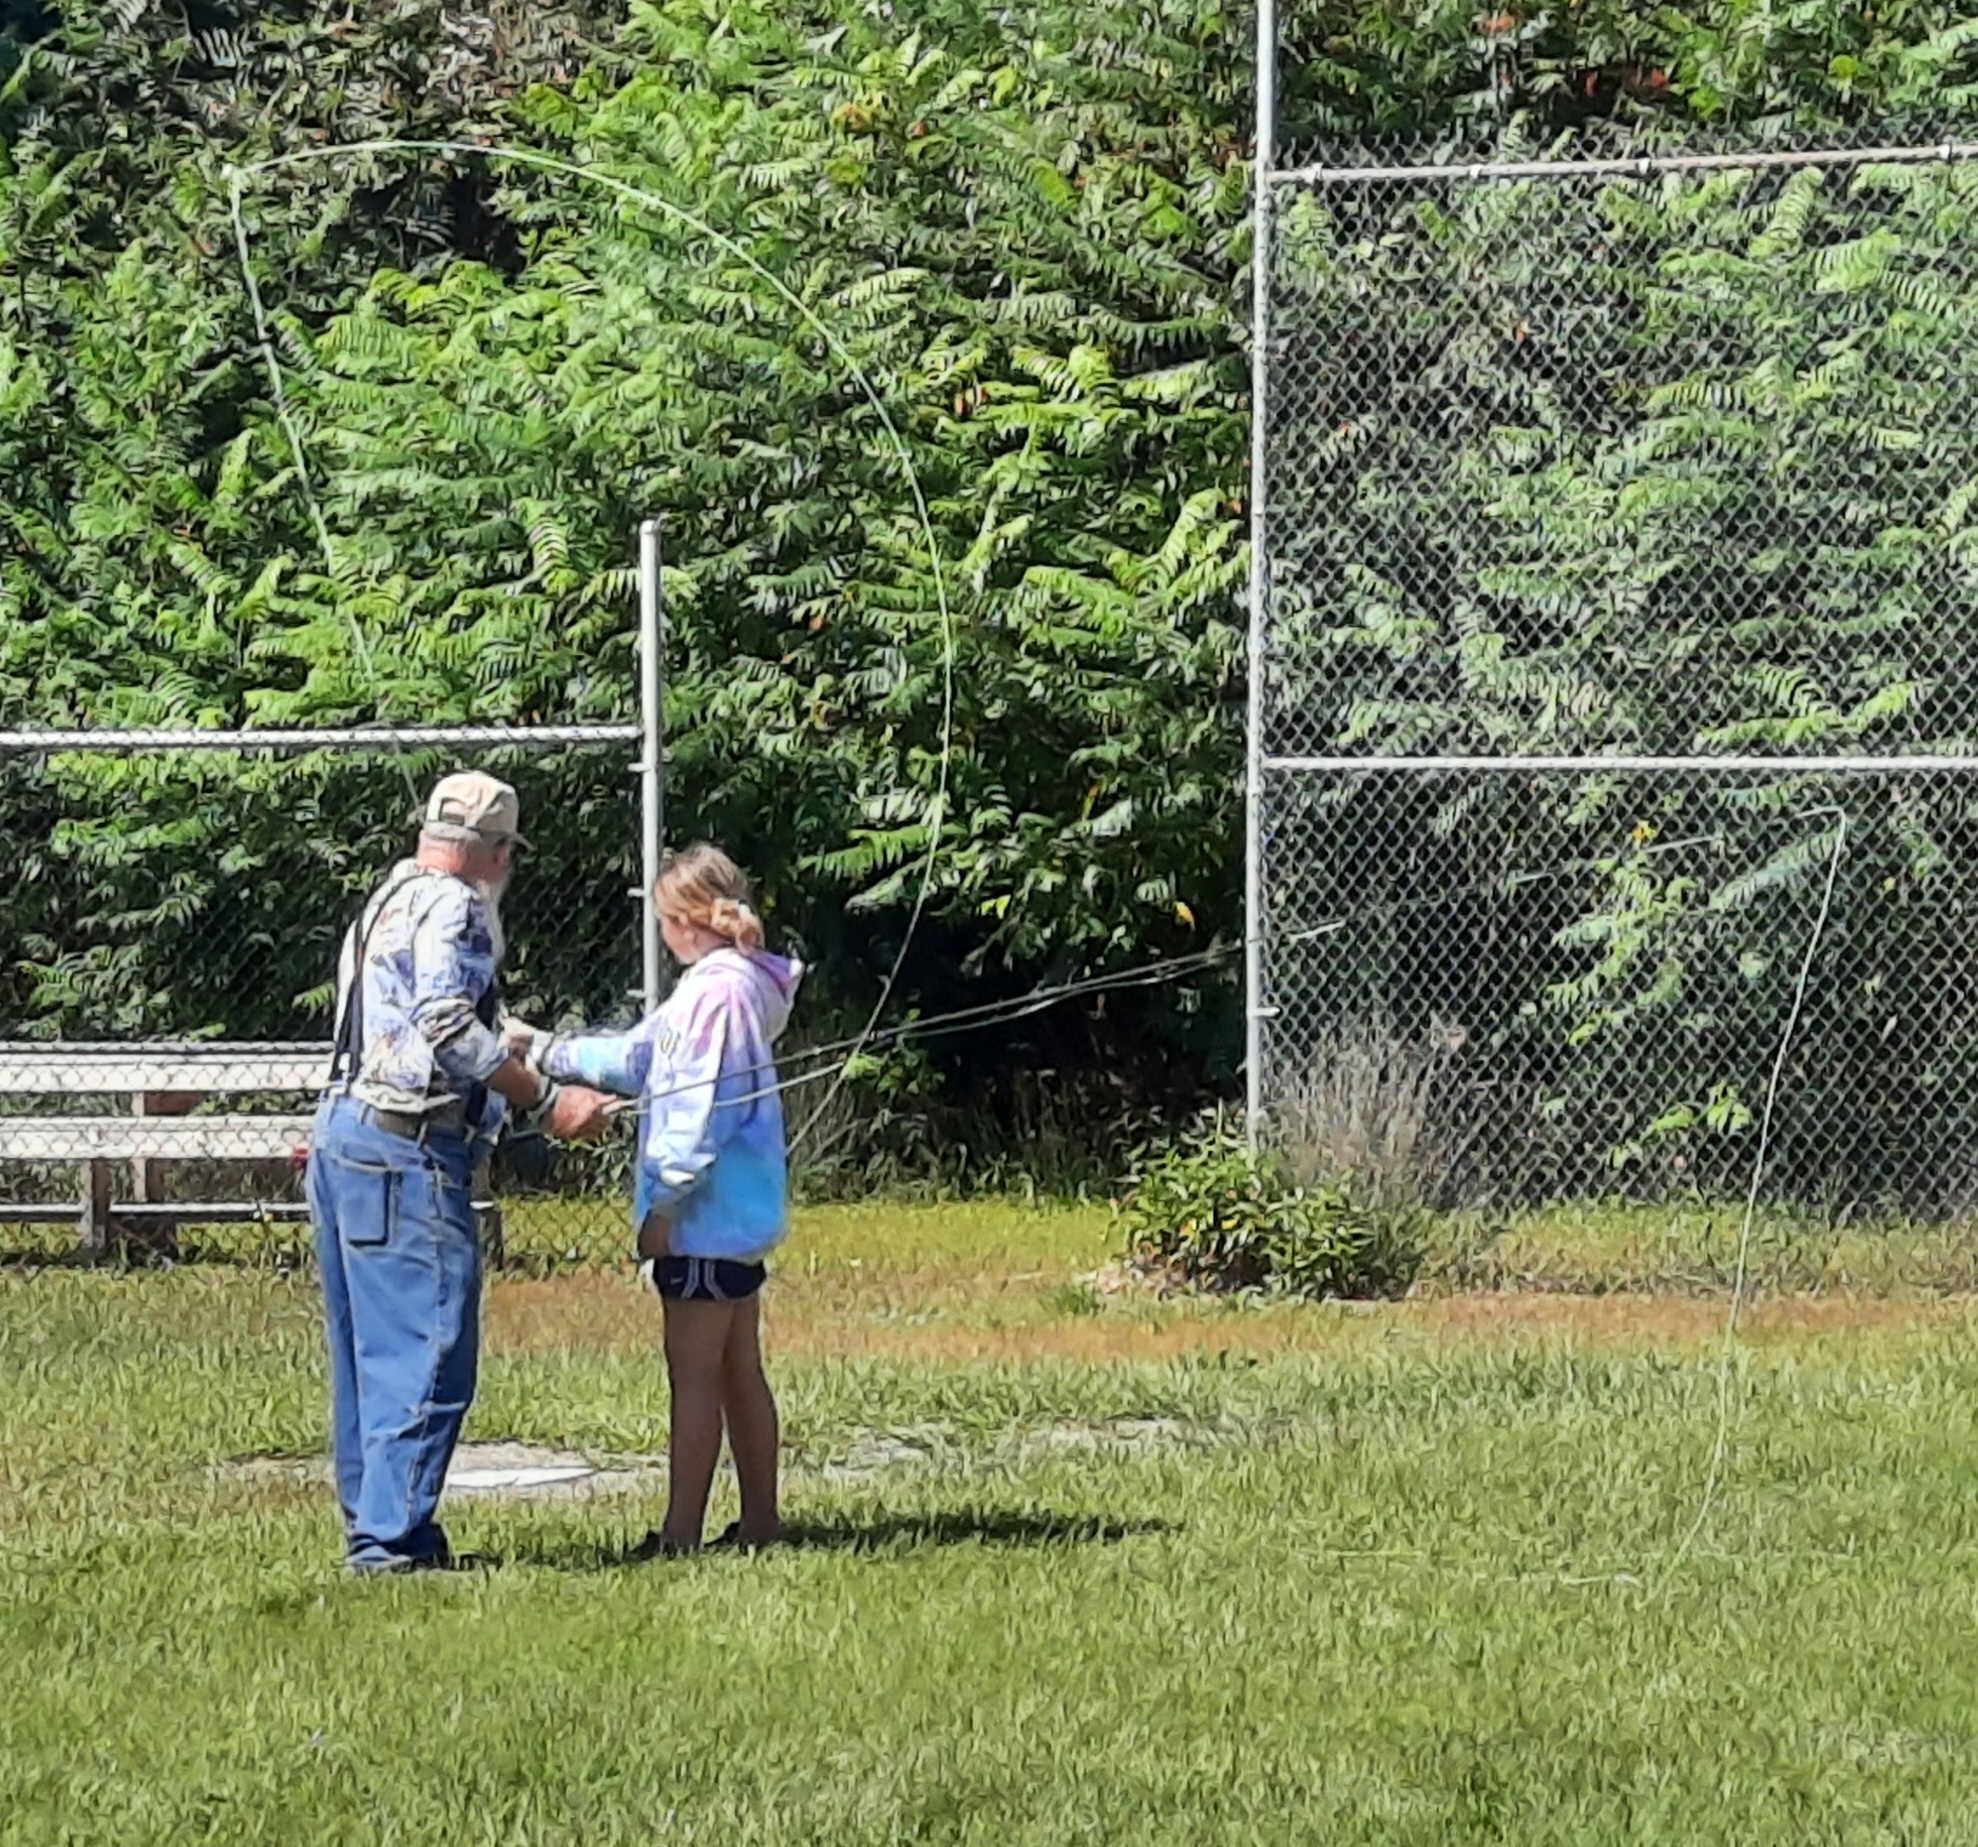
(697, 1335)
(755, 1434)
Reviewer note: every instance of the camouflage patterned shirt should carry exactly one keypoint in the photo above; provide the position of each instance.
(430, 958)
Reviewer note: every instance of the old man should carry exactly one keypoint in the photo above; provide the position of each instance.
(419, 1088)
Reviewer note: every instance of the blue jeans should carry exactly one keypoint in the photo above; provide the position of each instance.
(401, 1269)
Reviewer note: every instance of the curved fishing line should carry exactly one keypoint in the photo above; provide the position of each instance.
(284, 413)
(552, 163)
(1149, 974)
(1154, 974)
(964, 1019)
(1720, 1448)
(285, 416)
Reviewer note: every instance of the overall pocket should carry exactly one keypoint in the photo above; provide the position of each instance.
(443, 1198)
(366, 1196)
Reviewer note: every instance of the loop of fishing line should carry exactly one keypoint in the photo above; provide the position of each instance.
(551, 163)
(987, 1014)
(990, 1013)
(1740, 1276)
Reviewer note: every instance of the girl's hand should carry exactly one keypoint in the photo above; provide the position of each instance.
(521, 1040)
(578, 1113)
(656, 1235)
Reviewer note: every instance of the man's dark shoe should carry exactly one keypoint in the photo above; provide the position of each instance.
(446, 1560)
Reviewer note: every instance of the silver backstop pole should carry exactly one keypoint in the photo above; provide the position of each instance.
(1254, 917)
(652, 783)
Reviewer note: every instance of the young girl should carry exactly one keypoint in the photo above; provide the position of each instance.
(709, 1201)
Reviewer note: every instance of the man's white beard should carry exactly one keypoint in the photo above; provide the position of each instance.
(492, 891)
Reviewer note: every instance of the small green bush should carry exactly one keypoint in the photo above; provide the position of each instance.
(1213, 1211)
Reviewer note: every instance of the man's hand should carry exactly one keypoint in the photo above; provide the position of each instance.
(578, 1114)
(569, 1112)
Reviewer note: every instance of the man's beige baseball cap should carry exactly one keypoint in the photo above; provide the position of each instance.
(472, 805)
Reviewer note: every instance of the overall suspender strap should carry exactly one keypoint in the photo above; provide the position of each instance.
(350, 1017)
(348, 1053)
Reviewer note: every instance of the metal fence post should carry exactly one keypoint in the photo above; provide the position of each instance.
(1253, 803)
(652, 784)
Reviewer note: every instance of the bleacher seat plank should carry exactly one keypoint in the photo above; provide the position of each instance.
(40, 1068)
(166, 1138)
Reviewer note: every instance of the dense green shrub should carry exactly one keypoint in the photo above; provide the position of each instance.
(1212, 1210)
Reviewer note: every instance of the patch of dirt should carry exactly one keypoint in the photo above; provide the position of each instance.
(588, 1310)
(876, 1452)
(528, 1471)
(1136, 1276)
(519, 1471)
(1129, 1435)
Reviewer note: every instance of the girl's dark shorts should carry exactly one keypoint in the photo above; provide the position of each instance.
(707, 1279)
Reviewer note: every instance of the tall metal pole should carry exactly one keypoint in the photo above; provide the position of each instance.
(1254, 920)
(652, 772)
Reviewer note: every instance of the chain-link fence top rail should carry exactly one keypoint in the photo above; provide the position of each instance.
(1647, 456)
(169, 943)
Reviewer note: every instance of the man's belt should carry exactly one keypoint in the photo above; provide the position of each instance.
(449, 1118)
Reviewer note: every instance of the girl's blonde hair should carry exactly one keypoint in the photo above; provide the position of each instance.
(704, 886)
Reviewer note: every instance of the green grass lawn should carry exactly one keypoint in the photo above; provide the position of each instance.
(1071, 1569)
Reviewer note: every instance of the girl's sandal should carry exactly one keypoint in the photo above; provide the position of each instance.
(656, 1545)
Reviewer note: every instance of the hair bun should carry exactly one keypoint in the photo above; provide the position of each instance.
(735, 919)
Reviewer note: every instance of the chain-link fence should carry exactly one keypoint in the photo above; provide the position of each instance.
(1620, 541)
(167, 963)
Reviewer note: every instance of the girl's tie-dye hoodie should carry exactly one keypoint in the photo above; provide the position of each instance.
(711, 1116)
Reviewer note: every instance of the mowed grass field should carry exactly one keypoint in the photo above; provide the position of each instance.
(1069, 1567)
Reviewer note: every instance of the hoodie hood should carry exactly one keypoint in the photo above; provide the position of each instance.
(774, 980)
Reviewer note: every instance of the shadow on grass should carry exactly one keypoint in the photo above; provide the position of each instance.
(970, 1526)
(28, 1262)
(907, 1532)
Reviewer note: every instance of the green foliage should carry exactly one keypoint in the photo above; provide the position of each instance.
(1211, 1209)
(1455, 66)
(1058, 393)
(1056, 358)
(1023, 227)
